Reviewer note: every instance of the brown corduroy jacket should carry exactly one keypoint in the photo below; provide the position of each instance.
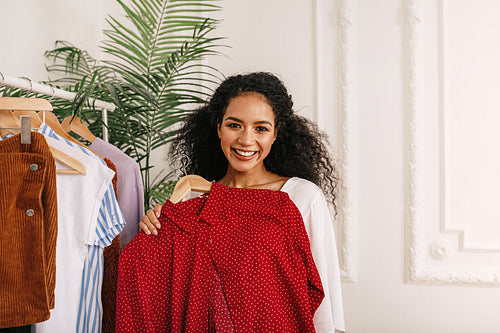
(28, 209)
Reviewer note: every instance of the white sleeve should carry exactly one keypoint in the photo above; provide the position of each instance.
(319, 226)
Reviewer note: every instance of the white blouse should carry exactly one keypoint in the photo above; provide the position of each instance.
(312, 204)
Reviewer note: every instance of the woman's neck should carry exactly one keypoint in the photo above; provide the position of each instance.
(259, 180)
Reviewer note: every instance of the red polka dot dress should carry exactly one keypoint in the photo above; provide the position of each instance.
(235, 260)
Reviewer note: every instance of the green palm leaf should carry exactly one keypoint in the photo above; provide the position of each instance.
(153, 73)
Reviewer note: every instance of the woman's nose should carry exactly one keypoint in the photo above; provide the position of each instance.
(246, 137)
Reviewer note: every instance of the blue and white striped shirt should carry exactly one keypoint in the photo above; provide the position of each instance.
(110, 223)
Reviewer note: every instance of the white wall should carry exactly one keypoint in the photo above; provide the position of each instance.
(31, 27)
(271, 36)
(369, 72)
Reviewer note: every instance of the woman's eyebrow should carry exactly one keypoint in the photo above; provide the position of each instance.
(263, 122)
(233, 119)
(256, 123)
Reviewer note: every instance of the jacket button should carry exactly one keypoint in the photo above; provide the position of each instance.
(30, 212)
(34, 167)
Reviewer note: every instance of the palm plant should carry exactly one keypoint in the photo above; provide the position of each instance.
(154, 74)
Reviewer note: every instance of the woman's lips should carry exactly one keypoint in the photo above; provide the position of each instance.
(244, 153)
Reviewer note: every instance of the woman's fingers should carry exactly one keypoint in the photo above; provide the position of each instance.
(157, 211)
(150, 223)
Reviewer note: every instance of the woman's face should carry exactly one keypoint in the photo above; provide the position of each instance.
(247, 132)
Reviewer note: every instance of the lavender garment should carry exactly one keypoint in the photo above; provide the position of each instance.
(130, 190)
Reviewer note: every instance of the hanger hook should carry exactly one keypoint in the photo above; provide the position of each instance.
(53, 95)
(31, 85)
(185, 160)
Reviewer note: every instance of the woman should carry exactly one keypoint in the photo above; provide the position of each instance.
(248, 136)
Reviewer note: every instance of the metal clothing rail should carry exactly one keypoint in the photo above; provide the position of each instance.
(26, 84)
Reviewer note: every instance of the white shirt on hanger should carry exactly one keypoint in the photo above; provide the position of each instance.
(79, 198)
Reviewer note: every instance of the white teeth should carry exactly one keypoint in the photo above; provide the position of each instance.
(244, 153)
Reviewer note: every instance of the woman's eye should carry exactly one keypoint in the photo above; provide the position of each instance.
(262, 129)
(233, 125)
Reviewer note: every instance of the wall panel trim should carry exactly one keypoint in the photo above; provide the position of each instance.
(418, 271)
(343, 75)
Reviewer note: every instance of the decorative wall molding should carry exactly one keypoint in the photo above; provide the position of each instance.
(441, 249)
(465, 244)
(345, 66)
(418, 270)
(343, 73)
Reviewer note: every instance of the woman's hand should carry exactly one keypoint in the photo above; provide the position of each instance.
(150, 223)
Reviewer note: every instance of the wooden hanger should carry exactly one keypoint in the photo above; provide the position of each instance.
(187, 184)
(26, 104)
(8, 120)
(76, 125)
(53, 122)
(13, 107)
(76, 165)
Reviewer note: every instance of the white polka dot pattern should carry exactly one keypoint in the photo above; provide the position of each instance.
(235, 260)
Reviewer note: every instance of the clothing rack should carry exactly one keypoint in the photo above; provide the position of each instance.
(45, 89)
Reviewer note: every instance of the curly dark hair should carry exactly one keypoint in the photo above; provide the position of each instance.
(299, 149)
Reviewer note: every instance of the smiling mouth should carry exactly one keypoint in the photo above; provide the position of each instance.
(244, 153)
